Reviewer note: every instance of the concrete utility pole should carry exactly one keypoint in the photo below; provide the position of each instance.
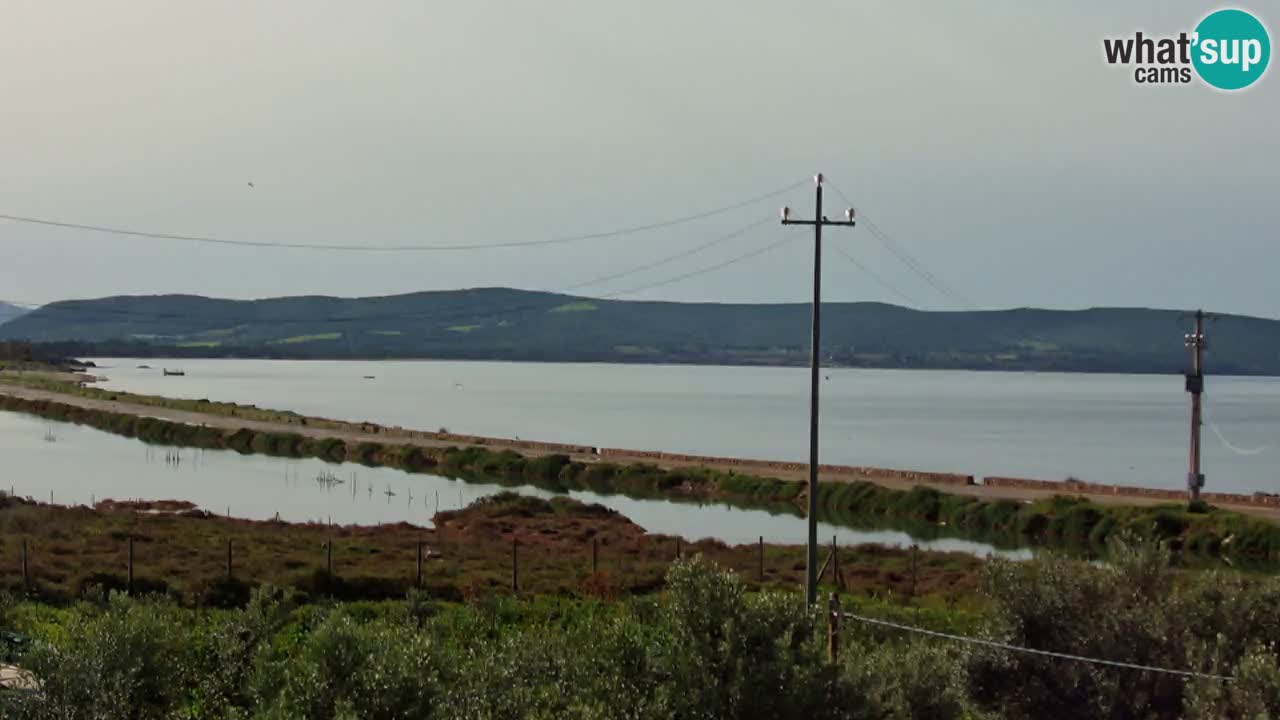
(815, 359)
(1195, 385)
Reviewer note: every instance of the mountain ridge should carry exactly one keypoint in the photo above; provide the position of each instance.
(9, 312)
(510, 324)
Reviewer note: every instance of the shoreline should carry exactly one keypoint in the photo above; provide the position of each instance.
(1017, 489)
(1017, 516)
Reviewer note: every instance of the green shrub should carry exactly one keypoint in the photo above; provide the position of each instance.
(366, 453)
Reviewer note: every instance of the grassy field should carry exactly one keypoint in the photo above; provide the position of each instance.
(183, 553)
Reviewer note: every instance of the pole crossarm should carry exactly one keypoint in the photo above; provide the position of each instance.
(825, 221)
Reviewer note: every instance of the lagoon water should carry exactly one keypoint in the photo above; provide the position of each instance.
(75, 465)
(1125, 429)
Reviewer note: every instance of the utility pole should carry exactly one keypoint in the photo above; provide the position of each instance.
(1196, 343)
(815, 359)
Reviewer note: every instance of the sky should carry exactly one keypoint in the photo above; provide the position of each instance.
(990, 141)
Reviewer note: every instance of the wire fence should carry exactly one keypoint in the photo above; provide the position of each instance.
(835, 616)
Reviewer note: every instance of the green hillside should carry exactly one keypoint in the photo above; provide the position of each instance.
(499, 323)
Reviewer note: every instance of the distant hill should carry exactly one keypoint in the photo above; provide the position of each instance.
(9, 312)
(505, 324)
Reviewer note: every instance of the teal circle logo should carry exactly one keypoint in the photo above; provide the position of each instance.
(1231, 49)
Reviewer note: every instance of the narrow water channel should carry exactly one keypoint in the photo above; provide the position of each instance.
(77, 465)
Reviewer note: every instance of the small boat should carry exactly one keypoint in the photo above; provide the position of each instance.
(368, 377)
(174, 373)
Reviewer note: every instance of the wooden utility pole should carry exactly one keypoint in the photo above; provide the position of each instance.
(815, 360)
(1196, 343)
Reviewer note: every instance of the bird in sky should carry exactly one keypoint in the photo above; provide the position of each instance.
(250, 183)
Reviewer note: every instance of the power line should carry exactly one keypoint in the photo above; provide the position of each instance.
(876, 276)
(705, 270)
(896, 248)
(94, 314)
(1229, 446)
(406, 248)
(671, 258)
(1033, 651)
(905, 256)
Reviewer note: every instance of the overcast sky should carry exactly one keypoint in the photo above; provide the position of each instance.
(990, 140)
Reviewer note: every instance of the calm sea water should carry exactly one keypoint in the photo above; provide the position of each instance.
(1128, 429)
(81, 465)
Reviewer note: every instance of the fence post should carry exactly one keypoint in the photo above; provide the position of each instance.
(761, 558)
(515, 565)
(677, 548)
(914, 550)
(835, 563)
(228, 559)
(595, 556)
(129, 587)
(833, 628)
(418, 580)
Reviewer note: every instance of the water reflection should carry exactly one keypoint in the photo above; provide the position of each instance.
(86, 465)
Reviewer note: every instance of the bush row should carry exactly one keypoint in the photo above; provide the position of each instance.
(705, 648)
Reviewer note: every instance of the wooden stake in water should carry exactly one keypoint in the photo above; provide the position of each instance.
(835, 562)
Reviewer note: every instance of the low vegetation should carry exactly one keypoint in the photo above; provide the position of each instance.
(707, 646)
(563, 548)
